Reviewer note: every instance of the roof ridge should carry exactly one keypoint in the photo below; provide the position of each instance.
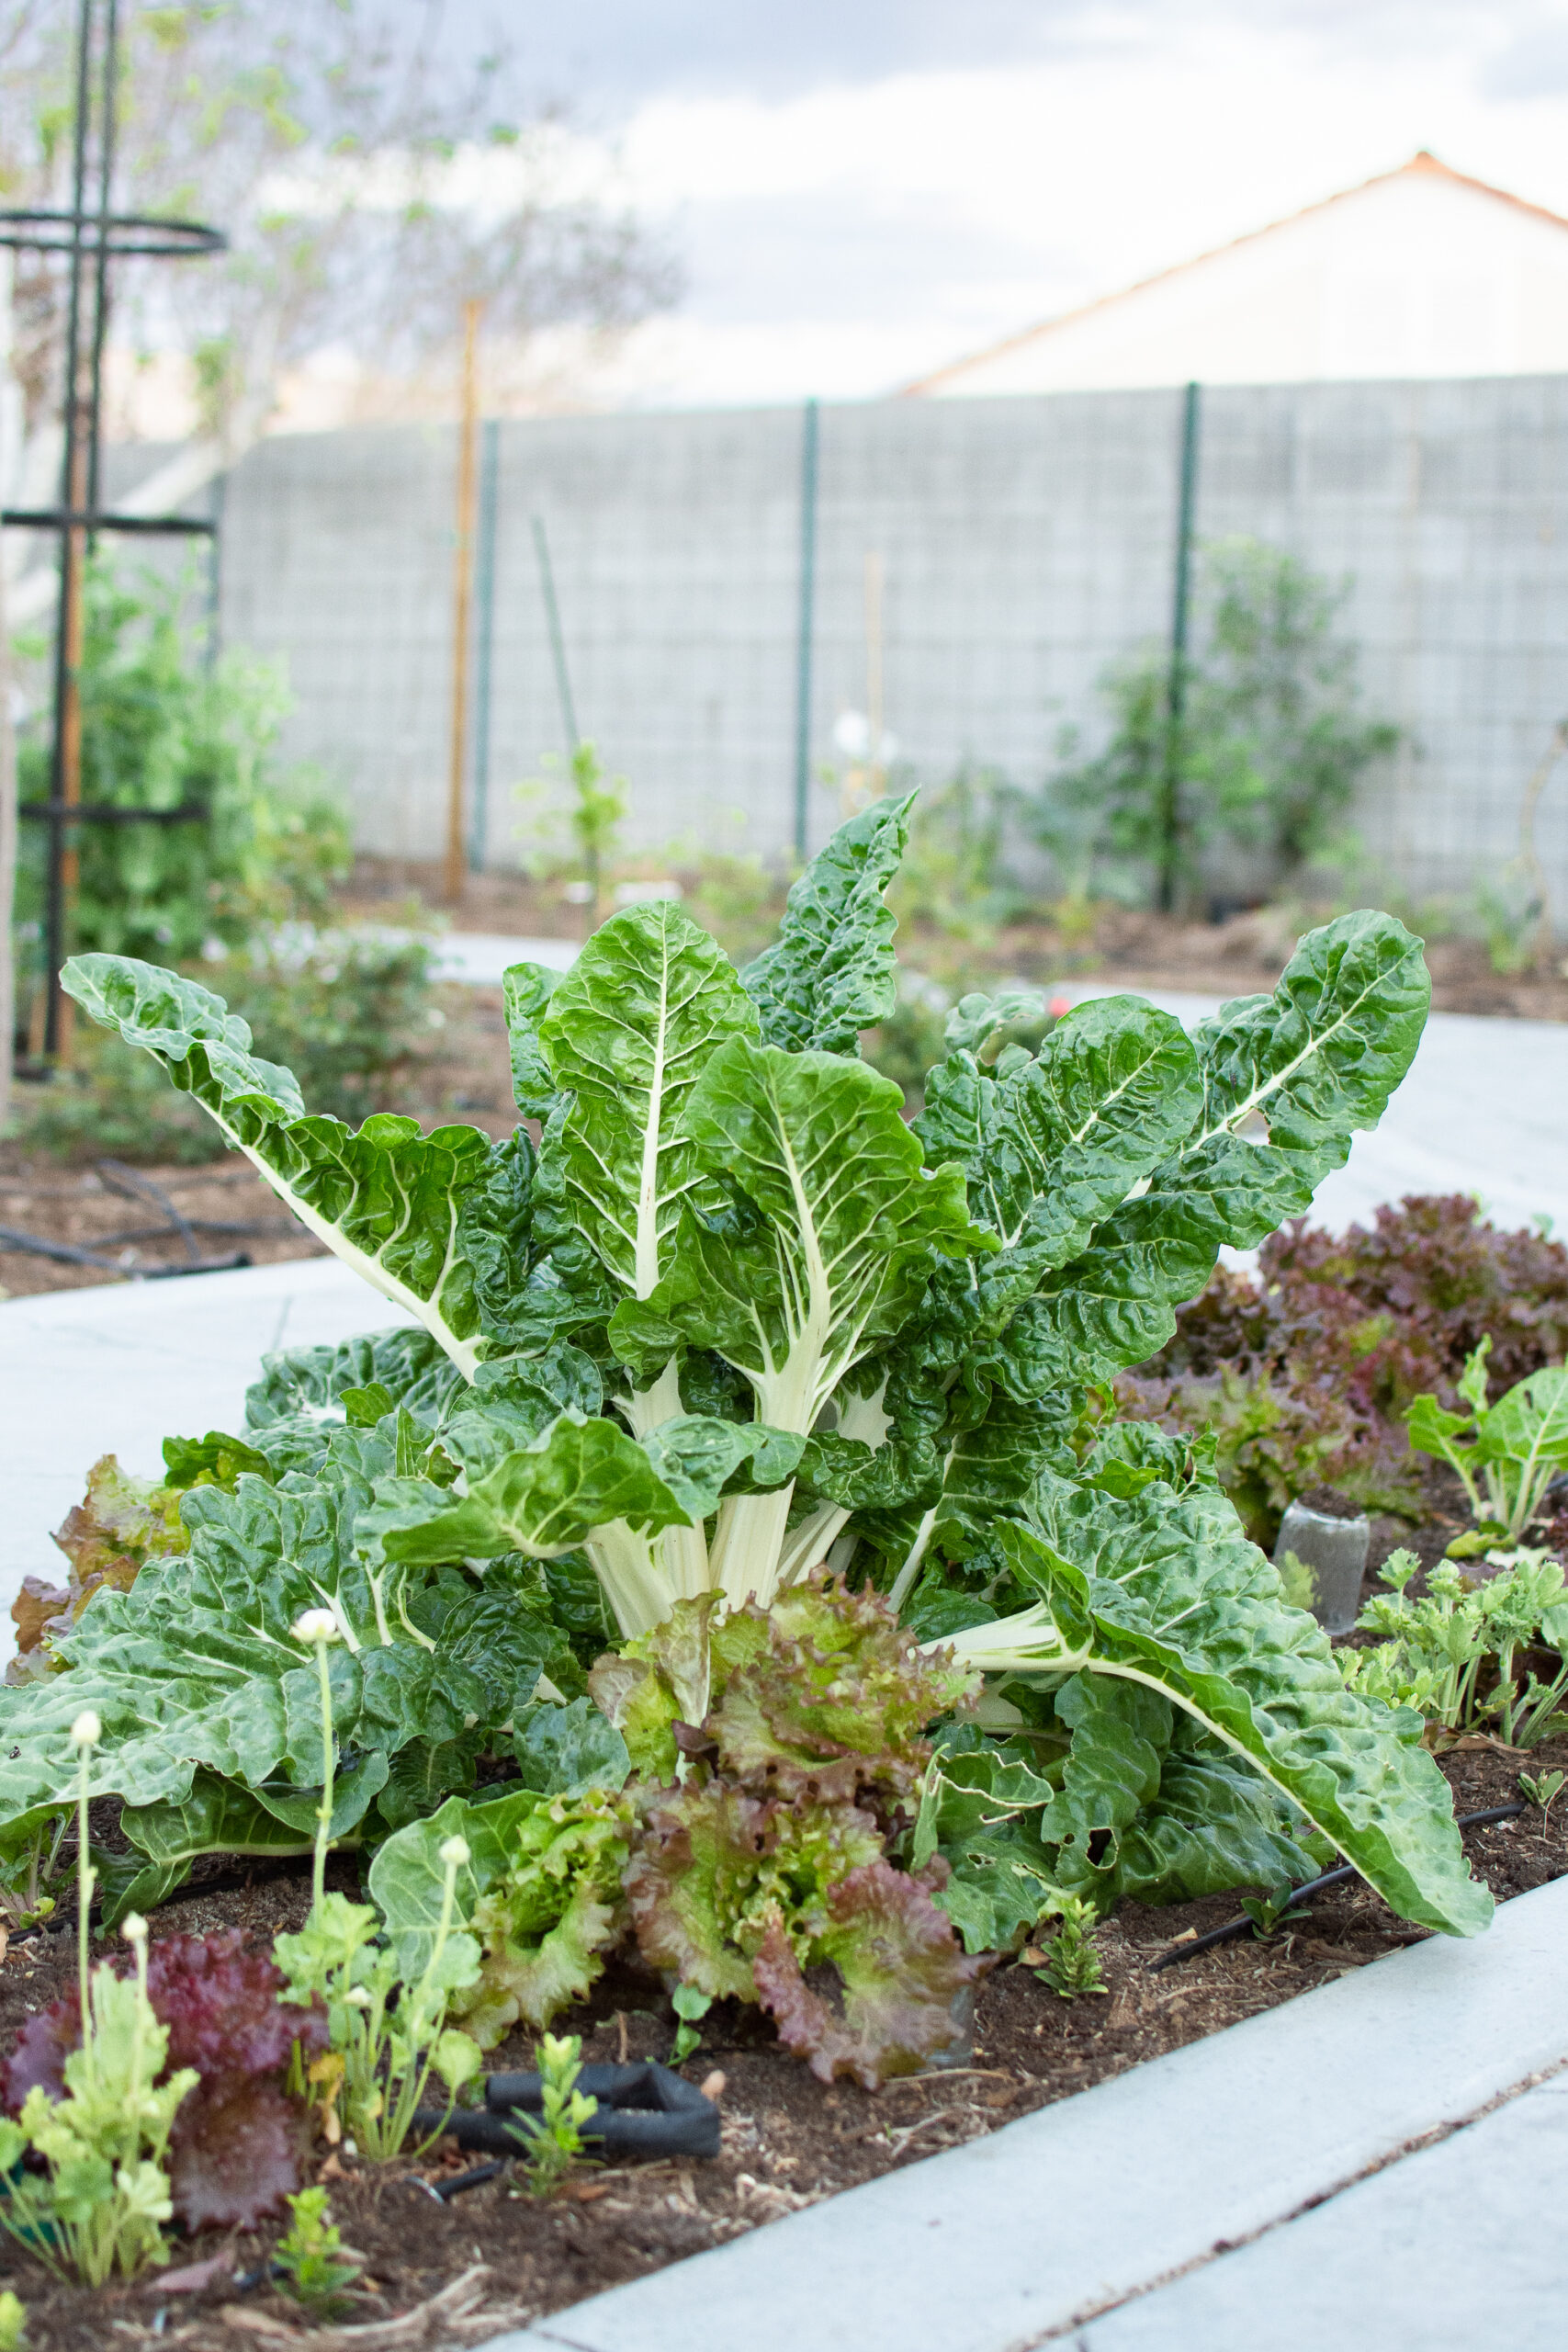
(1423, 163)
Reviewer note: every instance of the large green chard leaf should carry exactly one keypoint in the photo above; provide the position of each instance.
(628, 1032)
(1302, 1068)
(1164, 1590)
(194, 1667)
(829, 974)
(411, 1365)
(577, 1477)
(389, 1201)
(1054, 1148)
(1323, 1054)
(850, 1223)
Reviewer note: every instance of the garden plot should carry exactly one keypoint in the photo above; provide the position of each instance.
(729, 1611)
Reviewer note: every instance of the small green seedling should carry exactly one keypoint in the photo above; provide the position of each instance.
(310, 2261)
(1505, 1454)
(1543, 1788)
(1269, 1913)
(690, 2007)
(1071, 1959)
(554, 2136)
(13, 2322)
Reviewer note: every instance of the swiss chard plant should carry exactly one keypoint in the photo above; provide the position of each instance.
(712, 1318)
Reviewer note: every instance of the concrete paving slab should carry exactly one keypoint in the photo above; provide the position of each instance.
(1457, 2245)
(994, 2246)
(117, 1369)
(481, 957)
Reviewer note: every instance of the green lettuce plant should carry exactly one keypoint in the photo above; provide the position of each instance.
(1509, 1452)
(714, 1315)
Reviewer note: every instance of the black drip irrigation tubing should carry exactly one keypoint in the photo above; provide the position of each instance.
(1175, 1954)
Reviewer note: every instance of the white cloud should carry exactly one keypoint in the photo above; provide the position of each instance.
(849, 236)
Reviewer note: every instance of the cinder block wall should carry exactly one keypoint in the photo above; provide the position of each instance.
(1026, 543)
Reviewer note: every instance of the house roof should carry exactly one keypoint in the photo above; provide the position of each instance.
(1422, 164)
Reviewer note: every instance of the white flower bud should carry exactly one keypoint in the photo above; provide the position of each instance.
(315, 1625)
(357, 1998)
(134, 1928)
(87, 1731)
(455, 1853)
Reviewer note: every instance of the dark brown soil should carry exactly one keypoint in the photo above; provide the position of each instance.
(788, 2140)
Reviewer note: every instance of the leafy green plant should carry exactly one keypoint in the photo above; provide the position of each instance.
(554, 2136)
(310, 2261)
(98, 2205)
(1542, 1790)
(1270, 748)
(1269, 1913)
(1454, 1654)
(160, 731)
(1071, 1966)
(690, 2007)
(351, 1010)
(385, 2022)
(590, 815)
(13, 2322)
(1517, 1446)
(731, 1319)
(389, 2029)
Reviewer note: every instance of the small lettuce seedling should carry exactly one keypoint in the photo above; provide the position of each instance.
(554, 2136)
(310, 2261)
(1071, 1960)
(1542, 1790)
(1506, 1455)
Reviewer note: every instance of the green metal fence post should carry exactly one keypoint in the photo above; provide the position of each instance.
(1171, 796)
(804, 627)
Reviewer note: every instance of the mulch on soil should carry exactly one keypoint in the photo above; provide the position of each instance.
(788, 2140)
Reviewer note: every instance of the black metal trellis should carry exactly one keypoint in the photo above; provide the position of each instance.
(90, 238)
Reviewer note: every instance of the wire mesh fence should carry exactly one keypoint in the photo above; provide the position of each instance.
(1017, 547)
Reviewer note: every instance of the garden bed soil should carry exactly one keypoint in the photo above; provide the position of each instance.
(788, 2141)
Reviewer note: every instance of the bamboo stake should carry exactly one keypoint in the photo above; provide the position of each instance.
(461, 604)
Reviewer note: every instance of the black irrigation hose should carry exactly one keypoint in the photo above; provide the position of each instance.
(1174, 1953)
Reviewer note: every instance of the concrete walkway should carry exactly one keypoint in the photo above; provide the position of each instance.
(118, 1368)
(1287, 2137)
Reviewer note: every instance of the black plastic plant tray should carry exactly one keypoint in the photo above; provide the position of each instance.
(643, 2111)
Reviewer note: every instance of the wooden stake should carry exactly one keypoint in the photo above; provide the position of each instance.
(461, 600)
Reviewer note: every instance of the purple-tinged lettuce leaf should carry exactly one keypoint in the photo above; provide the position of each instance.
(905, 1983)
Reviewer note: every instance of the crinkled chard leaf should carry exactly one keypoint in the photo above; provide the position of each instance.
(1164, 1590)
(830, 972)
(387, 1200)
(628, 1032)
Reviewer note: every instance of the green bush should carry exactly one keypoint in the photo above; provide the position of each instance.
(349, 1012)
(1268, 753)
(160, 731)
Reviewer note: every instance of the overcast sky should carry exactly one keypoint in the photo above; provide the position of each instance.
(864, 188)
